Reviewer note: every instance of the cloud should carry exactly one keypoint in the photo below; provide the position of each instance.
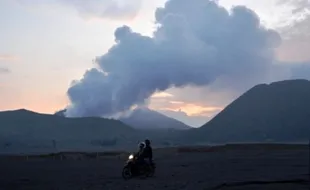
(300, 71)
(114, 9)
(162, 95)
(300, 13)
(176, 102)
(298, 10)
(8, 57)
(196, 43)
(296, 34)
(298, 6)
(194, 121)
(4, 70)
(192, 109)
(118, 9)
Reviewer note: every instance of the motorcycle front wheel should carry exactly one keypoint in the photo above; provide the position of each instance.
(126, 173)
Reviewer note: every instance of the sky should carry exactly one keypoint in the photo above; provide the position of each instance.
(102, 57)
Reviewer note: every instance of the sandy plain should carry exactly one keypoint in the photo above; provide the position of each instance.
(229, 167)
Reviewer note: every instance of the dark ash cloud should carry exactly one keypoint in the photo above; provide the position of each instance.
(196, 43)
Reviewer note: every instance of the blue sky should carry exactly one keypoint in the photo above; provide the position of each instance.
(44, 46)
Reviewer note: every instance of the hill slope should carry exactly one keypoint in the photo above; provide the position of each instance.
(144, 118)
(276, 112)
(24, 124)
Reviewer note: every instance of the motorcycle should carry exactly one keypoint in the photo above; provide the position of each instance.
(132, 169)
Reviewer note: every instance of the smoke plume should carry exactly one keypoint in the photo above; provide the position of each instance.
(195, 43)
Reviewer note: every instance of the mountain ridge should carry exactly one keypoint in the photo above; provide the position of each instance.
(24, 122)
(145, 118)
(278, 111)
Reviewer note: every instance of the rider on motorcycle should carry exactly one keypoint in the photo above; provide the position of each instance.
(145, 154)
(148, 152)
(139, 154)
(137, 165)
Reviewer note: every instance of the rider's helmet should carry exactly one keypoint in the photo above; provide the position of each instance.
(141, 145)
(147, 142)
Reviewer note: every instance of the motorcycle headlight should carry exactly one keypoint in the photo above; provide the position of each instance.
(130, 157)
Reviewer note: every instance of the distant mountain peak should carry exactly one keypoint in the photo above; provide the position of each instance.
(146, 118)
(143, 110)
(22, 110)
(60, 113)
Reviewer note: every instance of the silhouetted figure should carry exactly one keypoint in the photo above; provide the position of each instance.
(139, 155)
(148, 152)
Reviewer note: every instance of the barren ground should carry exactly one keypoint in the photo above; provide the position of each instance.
(232, 167)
